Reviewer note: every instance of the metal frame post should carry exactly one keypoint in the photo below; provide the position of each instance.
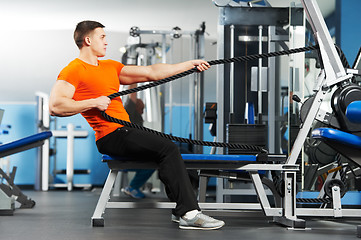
(332, 73)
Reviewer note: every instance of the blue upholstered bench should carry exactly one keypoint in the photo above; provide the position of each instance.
(23, 144)
(192, 161)
(17, 146)
(209, 162)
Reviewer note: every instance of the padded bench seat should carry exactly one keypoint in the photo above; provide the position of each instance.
(347, 144)
(251, 163)
(24, 143)
(335, 135)
(195, 161)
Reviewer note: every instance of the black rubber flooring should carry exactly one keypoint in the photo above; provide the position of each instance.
(66, 215)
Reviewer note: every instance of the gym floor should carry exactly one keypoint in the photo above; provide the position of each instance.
(66, 215)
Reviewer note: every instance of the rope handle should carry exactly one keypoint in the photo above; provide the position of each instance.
(213, 62)
(244, 147)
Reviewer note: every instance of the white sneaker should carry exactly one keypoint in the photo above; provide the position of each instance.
(175, 218)
(200, 222)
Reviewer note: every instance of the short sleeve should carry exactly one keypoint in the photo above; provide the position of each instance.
(69, 74)
(117, 65)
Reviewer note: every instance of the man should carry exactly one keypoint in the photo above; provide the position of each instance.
(83, 87)
(135, 108)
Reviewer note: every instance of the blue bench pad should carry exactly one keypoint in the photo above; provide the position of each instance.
(197, 157)
(337, 136)
(25, 141)
(353, 112)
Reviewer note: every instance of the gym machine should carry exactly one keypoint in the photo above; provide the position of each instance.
(196, 83)
(333, 75)
(248, 93)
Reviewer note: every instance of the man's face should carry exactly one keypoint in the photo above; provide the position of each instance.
(98, 42)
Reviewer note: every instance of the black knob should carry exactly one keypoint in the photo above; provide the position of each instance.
(296, 98)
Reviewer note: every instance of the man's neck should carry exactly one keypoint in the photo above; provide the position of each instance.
(88, 58)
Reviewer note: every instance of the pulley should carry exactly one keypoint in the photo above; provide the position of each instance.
(176, 32)
(334, 182)
(134, 31)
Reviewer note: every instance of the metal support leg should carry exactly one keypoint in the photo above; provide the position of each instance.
(14, 191)
(120, 182)
(97, 219)
(289, 217)
(202, 188)
(262, 196)
(70, 157)
(117, 185)
(336, 197)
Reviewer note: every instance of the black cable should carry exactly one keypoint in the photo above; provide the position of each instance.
(244, 147)
(250, 148)
(213, 62)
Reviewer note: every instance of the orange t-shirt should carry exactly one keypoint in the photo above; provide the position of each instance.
(94, 81)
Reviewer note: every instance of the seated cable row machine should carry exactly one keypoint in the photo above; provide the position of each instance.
(285, 211)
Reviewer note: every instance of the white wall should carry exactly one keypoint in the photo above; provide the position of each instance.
(36, 40)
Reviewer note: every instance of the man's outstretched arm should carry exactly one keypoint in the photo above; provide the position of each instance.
(155, 72)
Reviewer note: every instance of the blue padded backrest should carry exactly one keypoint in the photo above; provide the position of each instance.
(337, 136)
(353, 112)
(25, 141)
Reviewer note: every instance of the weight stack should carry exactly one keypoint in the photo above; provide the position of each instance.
(249, 134)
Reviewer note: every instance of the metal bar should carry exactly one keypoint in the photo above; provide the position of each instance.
(272, 140)
(306, 126)
(289, 200)
(262, 196)
(162, 32)
(323, 37)
(203, 181)
(336, 200)
(198, 104)
(104, 196)
(191, 89)
(220, 88)
(328, 212)
(70, 156)
(202, 205)
(260, 28)
(332, 73)
(231, 73)
(171, 92)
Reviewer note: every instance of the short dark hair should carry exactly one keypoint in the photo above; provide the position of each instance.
(82, 29)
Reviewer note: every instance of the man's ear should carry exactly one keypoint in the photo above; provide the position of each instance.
(87, 41)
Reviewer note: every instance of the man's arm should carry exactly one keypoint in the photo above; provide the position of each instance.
(136, 74)
(62, 104)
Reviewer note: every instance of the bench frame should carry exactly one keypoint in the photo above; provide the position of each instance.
(264, 205)
(284, 212)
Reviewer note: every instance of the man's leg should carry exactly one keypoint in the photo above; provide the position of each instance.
(172, 172)
(143, 145)
(140, 178)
